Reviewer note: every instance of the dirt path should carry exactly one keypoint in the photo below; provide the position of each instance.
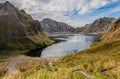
(14, 66)
(84, 73)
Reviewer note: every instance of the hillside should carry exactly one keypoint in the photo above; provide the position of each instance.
(18, 30)
(113, 32)
(19, 33)
(100, 61)
(52, 26)
(99, 25)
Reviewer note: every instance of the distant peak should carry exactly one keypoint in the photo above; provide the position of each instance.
(47, 19)
(7, 3)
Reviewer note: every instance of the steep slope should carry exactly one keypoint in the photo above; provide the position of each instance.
(101, 61)
(19, 30)
(113, 31)
(52, 26)
(99, 25)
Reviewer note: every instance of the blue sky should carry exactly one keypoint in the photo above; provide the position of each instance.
(112, 9)
(73, 12)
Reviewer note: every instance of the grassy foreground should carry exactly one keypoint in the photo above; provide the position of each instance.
(101, 61)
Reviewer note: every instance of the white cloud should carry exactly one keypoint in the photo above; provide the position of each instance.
(114, 0)
(55, 9)
(92, 5)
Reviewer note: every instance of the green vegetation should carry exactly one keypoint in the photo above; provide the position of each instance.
(3, 68)
(16, 48)
(21, 33)
(4, 54)
(101, 61)
(113, 31)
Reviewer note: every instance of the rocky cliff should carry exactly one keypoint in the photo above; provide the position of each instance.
(19, 30)
(113, 31)
(99, 25)
(52, 26)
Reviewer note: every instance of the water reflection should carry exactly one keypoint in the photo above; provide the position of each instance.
(72, 44)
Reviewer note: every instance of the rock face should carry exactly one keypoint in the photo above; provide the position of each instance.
(99, 25)
(113, 31)
(52, 26)
(18, 28)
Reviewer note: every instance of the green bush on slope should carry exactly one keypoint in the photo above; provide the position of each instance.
(93, 61)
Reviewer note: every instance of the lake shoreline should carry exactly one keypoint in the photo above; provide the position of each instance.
(37, 52)
(69, 44)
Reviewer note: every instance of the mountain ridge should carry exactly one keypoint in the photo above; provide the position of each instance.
(113, 31)
(17, 26)
(99, 25)
(52, 26)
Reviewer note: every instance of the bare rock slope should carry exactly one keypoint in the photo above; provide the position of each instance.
(113, 31)
(19, 30)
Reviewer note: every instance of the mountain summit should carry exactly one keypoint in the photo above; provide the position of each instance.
(99, 25)
(52, 26)
(113, 31)
(18, 28)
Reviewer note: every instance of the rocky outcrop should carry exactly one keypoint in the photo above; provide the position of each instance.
(52, 26)
(113, 31)
(18, 29)
(99, 25)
